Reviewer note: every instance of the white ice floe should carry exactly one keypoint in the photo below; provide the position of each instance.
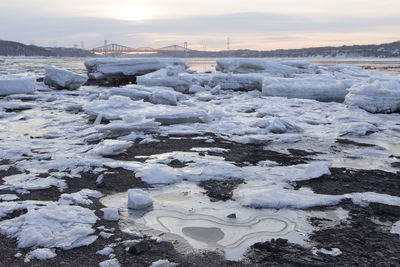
(10, 86)
(52, 226)
(79, 198)
(40, 254)
(376, 97)
(111, 147)
(138, 199)
(163, 263)
(245, 65)
(63, 79)
(110, 263)
(308, 88)
(106, 68)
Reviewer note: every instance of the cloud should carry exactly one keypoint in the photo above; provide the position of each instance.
(244, 28)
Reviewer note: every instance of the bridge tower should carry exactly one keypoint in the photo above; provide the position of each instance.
(185, 48)
(105, 47)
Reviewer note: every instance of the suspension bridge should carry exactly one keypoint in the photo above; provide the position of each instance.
(116, 49)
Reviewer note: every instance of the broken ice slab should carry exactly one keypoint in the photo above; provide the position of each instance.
(321, 89)
(63, 79)
(10, 86)
(123, 71)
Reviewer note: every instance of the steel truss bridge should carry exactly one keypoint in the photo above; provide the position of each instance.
(112, 49)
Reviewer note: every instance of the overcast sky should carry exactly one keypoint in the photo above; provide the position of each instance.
(254, 24)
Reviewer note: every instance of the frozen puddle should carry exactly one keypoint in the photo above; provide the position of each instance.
(187, 216)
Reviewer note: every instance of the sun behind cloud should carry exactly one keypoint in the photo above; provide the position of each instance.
(136, 13)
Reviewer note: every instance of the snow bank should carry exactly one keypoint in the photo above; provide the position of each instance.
(376, 97)
(63, 79)
(307, 88)
(111, 68)
(138, 199)
(245, 65)
(51, 226)
(10, 86)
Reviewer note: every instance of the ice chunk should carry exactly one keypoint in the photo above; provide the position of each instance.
(278, 197)
(111, 68)
(109, 263)
(8, 197)
(51, 226)
(111, 214)
(308, 88)
(79, 198)
(138, 199)
(10, 86)
(163, 263)
(180, 82)
(63, 79)
(241, 82)
(163, 97)
(111, 147)
(129, 124)
(41, 254)
(31, 182)
(157, 174)
(133, 92)
(396, 228)
(333, 252)
(246, 65)
(105, 251)
(357, 129)
(376, 97)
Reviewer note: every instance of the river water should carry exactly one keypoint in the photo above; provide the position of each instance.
(33, 66)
